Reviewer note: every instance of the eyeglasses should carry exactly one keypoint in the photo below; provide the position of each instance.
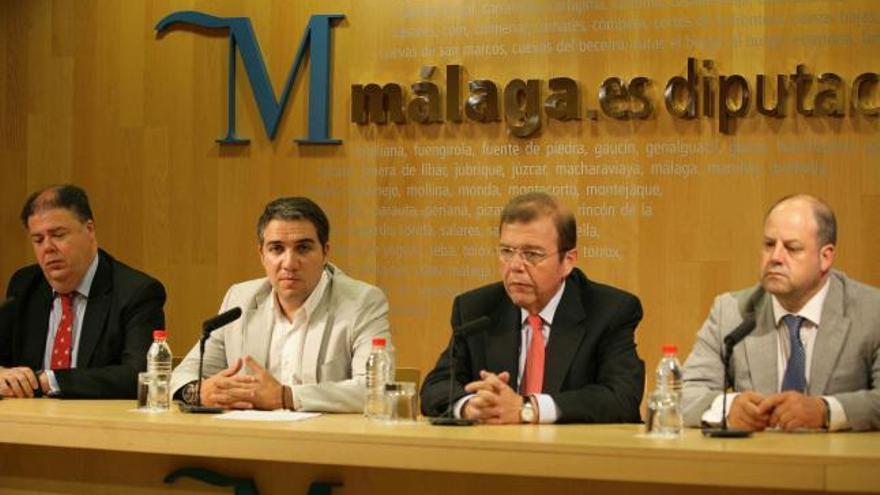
(529, 256)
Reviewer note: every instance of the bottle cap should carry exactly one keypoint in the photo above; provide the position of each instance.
(379, 341)
(669, 349)
(159, 334)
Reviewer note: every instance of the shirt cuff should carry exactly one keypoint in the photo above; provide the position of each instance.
(838, 419)
(297, 403)
(53, 383)
(459, 405)
(548, 413)
(712, 416)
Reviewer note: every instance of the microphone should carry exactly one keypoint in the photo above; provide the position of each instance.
(209, 326)
(739, 333)
(466, 329)
(730, 340)
(220, 320)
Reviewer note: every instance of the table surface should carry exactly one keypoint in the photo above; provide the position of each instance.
(809, 461)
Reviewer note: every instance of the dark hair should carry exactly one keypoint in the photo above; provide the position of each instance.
(295, 208)
(65, 196)
(826, 222)
(527, 207)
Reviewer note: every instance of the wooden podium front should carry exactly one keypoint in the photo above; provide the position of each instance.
(58, 446)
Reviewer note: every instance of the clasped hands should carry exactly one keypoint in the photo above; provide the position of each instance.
(21, 382)
(787, 411)
(493, 402)
(257, 390)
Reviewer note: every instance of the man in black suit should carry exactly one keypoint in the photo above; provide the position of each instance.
(558, 347)
(78, 323)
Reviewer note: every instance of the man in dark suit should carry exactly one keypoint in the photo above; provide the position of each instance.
(557, 347)
(78, 323)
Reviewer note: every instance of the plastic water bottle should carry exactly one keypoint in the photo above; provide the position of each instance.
(664, 404)
(159, 362)
(378, 374)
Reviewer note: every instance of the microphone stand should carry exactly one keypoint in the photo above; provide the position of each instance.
(198, 408)
(724, 431)
(207, 327)
(448, 418)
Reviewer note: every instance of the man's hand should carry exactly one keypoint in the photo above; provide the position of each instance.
(792, 410)
(494, 402)
(226, 389)
(18, 382)
(266, 389)
(746, 414)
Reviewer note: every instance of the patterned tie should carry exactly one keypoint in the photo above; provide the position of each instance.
(534, 379)
(64, 335)
(795, 372)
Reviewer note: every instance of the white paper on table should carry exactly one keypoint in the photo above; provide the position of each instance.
(279, 415)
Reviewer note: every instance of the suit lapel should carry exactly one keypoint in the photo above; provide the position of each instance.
(317, 332)
(829, 338)
(257, 325)
(566, 333)
(502, 350)
(33, 343)
(97, 308)
(761, 349)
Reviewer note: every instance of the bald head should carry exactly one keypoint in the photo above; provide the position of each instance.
(823, 215)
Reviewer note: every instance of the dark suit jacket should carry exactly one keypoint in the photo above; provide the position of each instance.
(591, 368)
(123, 309)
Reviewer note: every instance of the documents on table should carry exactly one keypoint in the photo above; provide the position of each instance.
(279, 415)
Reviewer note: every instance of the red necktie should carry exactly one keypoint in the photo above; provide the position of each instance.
(64, 335)
(534, 379)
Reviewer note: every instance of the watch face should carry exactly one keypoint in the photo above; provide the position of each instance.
(527, 413)
(189, 393)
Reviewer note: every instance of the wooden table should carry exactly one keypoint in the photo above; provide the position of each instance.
(49, 445)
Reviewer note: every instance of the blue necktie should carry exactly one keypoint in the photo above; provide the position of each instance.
(795, 372)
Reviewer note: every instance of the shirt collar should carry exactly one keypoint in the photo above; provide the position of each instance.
(812, 311)
(85, 285)
(549, 310)
(311, 302)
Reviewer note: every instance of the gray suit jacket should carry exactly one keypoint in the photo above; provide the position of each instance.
(338, 341)
(845, 362)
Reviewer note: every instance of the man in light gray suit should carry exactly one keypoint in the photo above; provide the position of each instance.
(305, 332)
(813, 359)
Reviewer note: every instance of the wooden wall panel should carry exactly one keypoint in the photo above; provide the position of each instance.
(90, 94)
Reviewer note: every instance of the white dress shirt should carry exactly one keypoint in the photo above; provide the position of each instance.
(80, 301)
(288, 336)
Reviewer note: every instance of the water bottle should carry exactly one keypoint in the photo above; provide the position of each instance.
(159, 366)
(664, 404)
(378, 374)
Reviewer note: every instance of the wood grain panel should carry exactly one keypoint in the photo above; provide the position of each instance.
(90, 94)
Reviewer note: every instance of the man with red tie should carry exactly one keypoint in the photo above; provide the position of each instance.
(556, 348)
(78, 323)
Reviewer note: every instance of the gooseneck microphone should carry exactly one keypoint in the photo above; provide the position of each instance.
(220, 320)
(466, 329)
(730, 341)
(209, 326)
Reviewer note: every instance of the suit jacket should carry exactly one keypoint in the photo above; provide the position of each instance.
(123, 309)
(845, 361)
(591, 368)
(337, 342)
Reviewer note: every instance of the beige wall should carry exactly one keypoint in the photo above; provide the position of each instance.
(89, 94)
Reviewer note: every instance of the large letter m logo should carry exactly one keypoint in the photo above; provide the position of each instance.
(316, 40)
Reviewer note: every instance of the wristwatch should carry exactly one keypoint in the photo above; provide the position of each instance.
(528, 414)
(190, 393)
